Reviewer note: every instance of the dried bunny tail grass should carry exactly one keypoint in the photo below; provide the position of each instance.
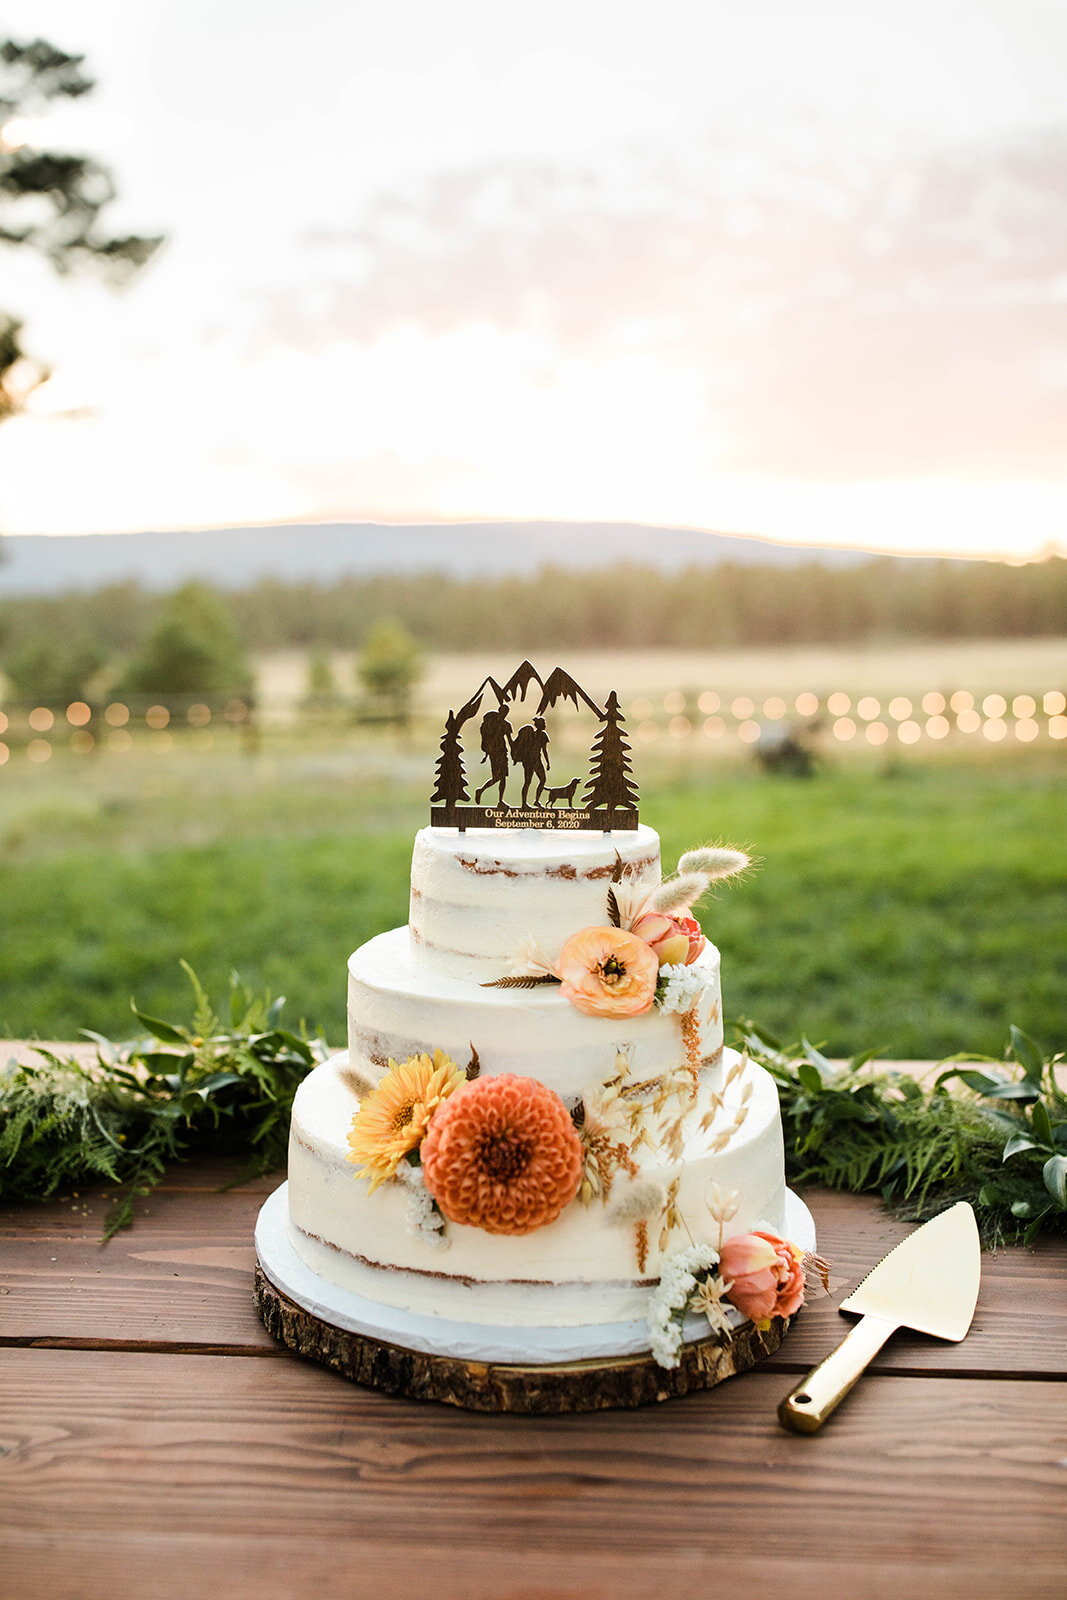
(714, 862)
(640, 1200)
(678, 894)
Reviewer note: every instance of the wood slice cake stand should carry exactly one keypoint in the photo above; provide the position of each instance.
(537, 1371)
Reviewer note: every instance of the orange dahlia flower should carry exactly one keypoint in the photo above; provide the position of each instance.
(393, 1118)
(607, 972)
(502, 1154)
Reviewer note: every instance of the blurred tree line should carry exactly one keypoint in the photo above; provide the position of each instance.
(137, 632)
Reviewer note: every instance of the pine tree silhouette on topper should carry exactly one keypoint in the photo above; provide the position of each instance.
(451, 778)
(610, 784)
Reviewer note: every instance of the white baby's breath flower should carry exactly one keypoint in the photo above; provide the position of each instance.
(682, 988)
(422, 1220)
(668, 1301)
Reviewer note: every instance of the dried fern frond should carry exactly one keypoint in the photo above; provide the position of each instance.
(530, 981)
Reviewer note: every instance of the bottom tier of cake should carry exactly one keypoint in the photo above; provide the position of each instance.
(582, 1270)
(330, 1304)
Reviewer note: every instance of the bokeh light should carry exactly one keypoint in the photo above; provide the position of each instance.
(679, 727)
(82, 741)
(78, 714)
(844, 728)
(877, 733)
(40, 719)
(807, 704)
(868, 708)
(674, 702)
(1054, 703)
(1057, 727)
(938, 727)
(838, 704)
(962, 700)
(1023, 706)
(934, 702)
(117, 715)
(968, 722)
(714, 727)
(198, 716)
(909, 733)
(648, 731)
(748, 732)
(39, 750)
(743, 707)
(900, 708)
(994, 730)
(157, 716)
(994, 705)
(641, 710)
(120, 740)
(709, 701)
(774, 708)
(1026, 729)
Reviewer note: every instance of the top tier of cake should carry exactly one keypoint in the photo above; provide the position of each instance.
(477, 896)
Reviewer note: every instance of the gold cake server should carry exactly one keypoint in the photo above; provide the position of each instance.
(929, 1282)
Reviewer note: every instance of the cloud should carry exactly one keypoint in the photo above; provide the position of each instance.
(845, 319)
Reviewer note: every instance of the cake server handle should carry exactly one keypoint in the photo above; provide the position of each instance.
(821, 1392)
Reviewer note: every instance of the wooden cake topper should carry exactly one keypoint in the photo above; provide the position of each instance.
(520, 783)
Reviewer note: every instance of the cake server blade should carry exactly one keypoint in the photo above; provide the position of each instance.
(929, 1282)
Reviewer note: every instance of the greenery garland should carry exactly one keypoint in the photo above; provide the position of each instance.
(999, 1140)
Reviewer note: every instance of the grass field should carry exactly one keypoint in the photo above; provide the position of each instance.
(915, 905)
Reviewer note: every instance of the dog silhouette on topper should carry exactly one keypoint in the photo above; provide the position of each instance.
(609, 798)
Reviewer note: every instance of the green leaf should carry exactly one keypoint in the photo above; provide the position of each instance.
(1027, 1054)
(161, 1030)
(1022, 1208)
(1018, 1142)
(1042, 1123)
(810, 1078)
(1054, 1173)
(826, 1068)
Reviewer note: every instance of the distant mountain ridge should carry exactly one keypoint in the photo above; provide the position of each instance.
(234, 557)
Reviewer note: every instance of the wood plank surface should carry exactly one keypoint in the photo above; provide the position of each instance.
(136, 1474)
(182, 1275)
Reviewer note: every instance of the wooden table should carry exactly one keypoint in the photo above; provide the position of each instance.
(155, 1443)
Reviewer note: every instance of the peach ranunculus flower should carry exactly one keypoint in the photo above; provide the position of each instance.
(677, 941)
(764, 1274)
(607, 972)
(502, 1154)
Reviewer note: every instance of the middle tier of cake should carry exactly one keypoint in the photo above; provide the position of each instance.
(397, 1008)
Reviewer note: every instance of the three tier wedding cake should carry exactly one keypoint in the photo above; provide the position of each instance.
(536, 1147)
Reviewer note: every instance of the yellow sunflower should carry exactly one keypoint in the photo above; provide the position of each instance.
(393, 1118)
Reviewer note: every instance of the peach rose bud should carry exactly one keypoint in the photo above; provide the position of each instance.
(765, 1275)
(677, 941)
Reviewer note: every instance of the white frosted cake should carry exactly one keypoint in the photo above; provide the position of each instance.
(535, 1111)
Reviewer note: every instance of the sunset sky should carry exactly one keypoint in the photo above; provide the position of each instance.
(797, 270)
